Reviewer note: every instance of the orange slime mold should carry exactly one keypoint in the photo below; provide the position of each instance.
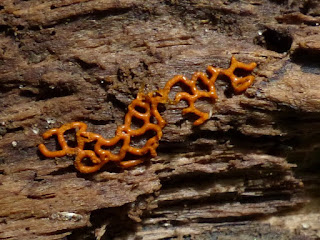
(144, 108)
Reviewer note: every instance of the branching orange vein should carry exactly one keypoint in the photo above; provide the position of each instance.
(145, 108)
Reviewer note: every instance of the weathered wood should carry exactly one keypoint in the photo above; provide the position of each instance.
(251, 171)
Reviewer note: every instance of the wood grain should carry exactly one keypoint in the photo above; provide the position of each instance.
(251, 171)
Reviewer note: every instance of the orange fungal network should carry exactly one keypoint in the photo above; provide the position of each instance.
(144, 108)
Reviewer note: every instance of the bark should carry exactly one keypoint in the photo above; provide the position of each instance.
(251, 171)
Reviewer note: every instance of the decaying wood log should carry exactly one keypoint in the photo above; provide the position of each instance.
(250, 172)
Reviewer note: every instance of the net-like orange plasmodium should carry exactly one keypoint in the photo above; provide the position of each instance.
(144, 108)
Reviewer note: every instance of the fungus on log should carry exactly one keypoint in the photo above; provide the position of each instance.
(251, 170)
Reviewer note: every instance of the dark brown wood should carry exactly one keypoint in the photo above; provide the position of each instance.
(251, 171)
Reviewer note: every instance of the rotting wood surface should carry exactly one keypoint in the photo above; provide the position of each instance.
(249, 172)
